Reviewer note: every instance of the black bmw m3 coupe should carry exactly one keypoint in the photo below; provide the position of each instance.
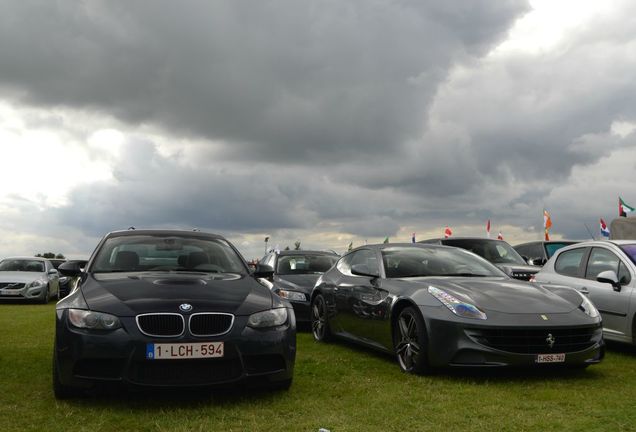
(160, 308)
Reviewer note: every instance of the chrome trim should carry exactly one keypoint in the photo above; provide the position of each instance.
(211, 313)
(161, 314)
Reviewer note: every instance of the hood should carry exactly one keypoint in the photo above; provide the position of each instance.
(296, 282)
(504, 295)
(129, 294)
(20, 276)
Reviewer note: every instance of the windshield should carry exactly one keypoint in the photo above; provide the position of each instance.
(551, 248)
(302, 264)
(630, 251)
(495, 251)
(400, 262)
(133, 253)
(22, 265)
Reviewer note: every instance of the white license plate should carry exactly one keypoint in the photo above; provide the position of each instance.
(178, 351)
(550, 358)
(8, 293)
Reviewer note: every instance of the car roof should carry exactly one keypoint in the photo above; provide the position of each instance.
(381, 246)
(548, 242)
(175, 232)
(462, 238)
(24, 258)
(305, 252)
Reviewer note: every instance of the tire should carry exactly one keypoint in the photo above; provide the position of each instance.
(410, 342)
(319, 322)
(61, 391)
(47, 295)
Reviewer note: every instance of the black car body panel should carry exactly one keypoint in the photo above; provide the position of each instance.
(524, 320)
(183, 308)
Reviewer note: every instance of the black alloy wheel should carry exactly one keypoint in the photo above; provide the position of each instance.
(409, 336)
(319, 324)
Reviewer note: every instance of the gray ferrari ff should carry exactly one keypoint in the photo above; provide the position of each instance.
(159, 308)
(443, 306)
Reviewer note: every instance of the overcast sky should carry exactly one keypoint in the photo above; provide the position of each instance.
(327, 122)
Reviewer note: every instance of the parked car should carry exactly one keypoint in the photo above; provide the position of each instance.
(168, 308)
(295, 274)
(28, 278)
(65, 281)
(441, 306)
(498, 252)
(539, 252)
(605, 272)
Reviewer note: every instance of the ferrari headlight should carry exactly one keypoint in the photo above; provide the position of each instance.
(587, 307)
(459, 308)
(268, 318)
(86, 319)
(292, 295)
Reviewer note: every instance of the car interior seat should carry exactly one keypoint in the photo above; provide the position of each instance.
(126, 260)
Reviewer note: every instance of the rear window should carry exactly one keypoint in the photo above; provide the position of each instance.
(569, 262)
(22, 265)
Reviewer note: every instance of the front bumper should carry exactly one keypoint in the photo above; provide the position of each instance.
(23, 293)
(85, 358)
(517, 343)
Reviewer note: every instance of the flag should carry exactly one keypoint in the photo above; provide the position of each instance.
(547, 223)
(500, 236)
(447, 232)
(413, 238)
(488, 228)
(623, 208)
(605, 232)
(266, 239)
(350, 247)
(386, 239)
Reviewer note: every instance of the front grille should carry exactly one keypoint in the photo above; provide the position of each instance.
(185, 372)
(161, 324)
(535, 341)
(11, 285)
(210, 324)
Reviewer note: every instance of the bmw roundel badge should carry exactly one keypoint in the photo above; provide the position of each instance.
(185, 307)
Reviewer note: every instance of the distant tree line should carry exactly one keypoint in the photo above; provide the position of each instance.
(50, 255)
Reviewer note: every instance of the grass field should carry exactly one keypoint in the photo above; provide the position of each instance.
(336, 386)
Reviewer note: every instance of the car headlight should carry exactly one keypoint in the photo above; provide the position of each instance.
(63, 279)
(587, 307)
(86, 319)
(292, 295)
(35, 283)
(268, 318)
(456, 306)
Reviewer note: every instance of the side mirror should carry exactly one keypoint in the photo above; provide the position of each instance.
(537, 261)
(263, 271)
(72, 268)
(53, 272)
(609, 276)
(363, 270)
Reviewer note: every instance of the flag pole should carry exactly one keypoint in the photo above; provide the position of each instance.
(589, 231)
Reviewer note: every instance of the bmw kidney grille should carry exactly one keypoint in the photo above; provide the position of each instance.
(173, 324)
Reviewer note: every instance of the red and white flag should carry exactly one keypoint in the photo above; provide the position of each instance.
(500, 236)
(547, 223)
(488, 228)
(448, 232)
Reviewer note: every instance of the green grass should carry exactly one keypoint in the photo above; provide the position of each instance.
(336, 386)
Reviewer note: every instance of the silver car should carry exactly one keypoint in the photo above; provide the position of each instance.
(605, 271)
(28, 278)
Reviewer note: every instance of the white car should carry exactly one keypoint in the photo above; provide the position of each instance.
(28, 278)
(605, 271)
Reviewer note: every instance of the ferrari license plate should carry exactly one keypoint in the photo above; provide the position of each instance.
(550, 358)
(179, 351)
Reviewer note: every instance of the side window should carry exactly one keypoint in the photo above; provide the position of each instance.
(344, 265)
(624, 277)
(568, 262)
(366, 259)
(601, 260)
(537, 251)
